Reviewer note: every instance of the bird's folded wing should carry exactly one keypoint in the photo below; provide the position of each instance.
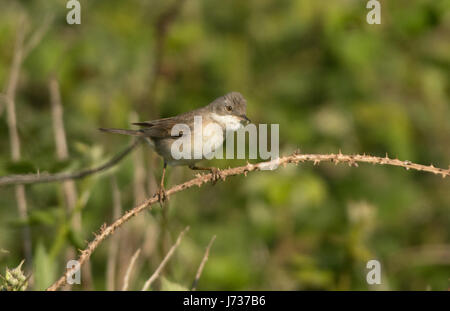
(160, 128)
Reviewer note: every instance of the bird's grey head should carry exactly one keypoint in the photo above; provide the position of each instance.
(231, 104)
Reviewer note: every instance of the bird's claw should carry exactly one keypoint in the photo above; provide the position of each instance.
(216, 174)
(162, 196)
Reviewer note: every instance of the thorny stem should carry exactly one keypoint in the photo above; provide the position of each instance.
(199, 180)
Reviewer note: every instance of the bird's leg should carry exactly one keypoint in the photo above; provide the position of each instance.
(162, 191)
(216, 174)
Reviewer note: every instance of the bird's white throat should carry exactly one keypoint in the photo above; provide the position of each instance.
(229, 123)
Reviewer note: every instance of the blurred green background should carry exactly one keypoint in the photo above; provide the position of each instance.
(332, 82)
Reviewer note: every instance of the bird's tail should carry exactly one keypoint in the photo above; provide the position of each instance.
(123, 132)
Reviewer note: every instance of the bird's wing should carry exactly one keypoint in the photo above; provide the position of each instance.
(153, 123)
(161, 128)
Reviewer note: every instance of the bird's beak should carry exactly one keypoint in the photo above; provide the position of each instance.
(244, 119)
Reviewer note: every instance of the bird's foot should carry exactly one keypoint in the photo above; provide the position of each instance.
(162, 196)
(216, 174)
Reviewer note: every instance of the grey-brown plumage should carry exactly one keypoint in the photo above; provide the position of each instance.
(228, 112)
(161, 128)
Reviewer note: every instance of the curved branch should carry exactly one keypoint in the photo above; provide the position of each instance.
(199, 180)
(46, 178)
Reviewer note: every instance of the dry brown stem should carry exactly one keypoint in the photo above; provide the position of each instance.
(161, 266)
(198, 181)
(202, 264)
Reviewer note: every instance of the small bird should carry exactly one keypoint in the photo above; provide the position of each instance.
(226, 114)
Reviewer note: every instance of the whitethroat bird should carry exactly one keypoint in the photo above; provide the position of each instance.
(223, 115)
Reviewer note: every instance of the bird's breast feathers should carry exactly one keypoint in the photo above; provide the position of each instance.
(213, 134)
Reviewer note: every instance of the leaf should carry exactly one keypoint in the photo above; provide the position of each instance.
(46, 217)
(75, 239)
(44, 268)
(167, 285)
(59, 166)
(19, 167)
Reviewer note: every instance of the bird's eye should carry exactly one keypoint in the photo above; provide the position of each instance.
(229, 108)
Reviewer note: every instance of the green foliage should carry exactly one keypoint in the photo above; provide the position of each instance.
(167, 285)
(14, 279)
(45, 268)
(329, 79)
